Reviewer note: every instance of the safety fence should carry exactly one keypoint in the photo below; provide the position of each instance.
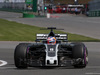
(19, 5)
(94, 13)
(94, 5)
(15, 10)
(14, 7)
(94, 8)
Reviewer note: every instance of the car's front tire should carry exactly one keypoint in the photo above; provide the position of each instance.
(80, 51)
(20, 55)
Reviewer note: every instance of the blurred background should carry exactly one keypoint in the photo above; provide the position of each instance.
(86, 7)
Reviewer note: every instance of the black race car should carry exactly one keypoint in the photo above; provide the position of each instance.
(51, 50)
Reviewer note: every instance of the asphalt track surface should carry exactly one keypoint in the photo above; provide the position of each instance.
(7, 54)
(88, 26)
(71, 23)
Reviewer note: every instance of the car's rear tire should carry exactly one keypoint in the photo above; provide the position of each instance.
(20, 54)
(80, 51)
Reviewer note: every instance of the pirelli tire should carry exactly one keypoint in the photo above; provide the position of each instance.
(79, 50)
(20, 55)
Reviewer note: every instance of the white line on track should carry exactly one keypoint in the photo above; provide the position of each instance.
(92, 73)
(93, 67)
(2, 63)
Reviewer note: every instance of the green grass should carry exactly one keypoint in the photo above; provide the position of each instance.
(12, 31)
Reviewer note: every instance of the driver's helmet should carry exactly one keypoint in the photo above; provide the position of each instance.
(51, 40)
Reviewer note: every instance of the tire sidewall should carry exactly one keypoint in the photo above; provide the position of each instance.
(78, 50)
(20, 55)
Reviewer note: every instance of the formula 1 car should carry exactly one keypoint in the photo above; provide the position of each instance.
(51, 50)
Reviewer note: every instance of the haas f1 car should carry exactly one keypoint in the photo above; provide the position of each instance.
(51, 50)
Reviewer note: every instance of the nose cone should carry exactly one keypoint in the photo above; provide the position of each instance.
(51, 62)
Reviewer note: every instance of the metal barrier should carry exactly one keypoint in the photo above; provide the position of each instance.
(94, 5)
(94, 8)
(14, 7)
(19, 5)
(94, 13)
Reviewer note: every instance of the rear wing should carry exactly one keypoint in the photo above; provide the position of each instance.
(57, 36)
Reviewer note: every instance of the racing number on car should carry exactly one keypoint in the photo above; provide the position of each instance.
(51, 49)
